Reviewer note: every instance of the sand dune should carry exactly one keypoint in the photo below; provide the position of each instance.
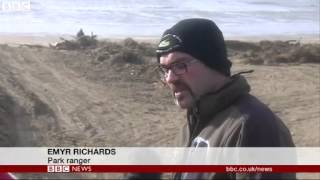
(51, 97)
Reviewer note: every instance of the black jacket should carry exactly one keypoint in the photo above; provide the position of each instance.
(231, 117)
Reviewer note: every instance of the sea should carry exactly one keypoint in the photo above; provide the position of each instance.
(108, 18)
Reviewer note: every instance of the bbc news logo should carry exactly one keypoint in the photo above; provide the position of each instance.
(58, 168)
(68, 168)
(15, 5)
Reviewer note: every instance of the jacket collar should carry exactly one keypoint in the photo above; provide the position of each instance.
(211, 103)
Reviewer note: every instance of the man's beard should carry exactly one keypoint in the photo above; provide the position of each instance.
(181, 86)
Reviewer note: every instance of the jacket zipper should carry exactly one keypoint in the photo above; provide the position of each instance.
(194, 125)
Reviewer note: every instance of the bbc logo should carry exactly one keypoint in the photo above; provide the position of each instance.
(15, 5)
(58, 168)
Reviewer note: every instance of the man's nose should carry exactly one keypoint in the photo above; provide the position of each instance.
(171, 77)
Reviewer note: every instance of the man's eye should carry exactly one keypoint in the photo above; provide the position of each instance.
(179, 66)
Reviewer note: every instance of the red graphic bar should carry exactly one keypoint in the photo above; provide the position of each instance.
(23, 168)
(162, 168)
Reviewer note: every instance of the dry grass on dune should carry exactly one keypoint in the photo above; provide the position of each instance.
(274, 52)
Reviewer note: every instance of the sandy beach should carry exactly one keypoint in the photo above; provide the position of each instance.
(110, 95)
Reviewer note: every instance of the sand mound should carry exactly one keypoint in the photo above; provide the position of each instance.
(111, 95)
(8, 118)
